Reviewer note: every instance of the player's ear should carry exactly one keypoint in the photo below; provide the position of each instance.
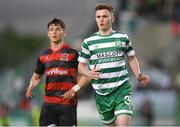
(48, 34)
(113, 18)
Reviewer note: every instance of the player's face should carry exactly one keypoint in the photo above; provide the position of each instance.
(55, 33)
(104, 19)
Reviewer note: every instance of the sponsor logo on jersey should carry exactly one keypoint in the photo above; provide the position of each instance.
(109, 54)
(56, 71)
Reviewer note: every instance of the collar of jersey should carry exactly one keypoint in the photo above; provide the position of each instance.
(105, 35)
(60, 48)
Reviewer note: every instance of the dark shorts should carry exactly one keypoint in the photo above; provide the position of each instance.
(60, 115)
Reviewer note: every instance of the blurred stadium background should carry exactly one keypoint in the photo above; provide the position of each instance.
(154, 29)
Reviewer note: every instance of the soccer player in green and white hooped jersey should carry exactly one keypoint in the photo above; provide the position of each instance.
(105, 51)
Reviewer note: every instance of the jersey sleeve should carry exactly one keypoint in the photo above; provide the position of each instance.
(129, 50)
(40, 68)
(84, 53)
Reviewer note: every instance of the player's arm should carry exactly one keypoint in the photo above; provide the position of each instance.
(35, 80)
(134, 64)
(82, 82)
(92, 74)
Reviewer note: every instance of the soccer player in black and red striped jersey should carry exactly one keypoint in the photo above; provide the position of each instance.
(59, 64)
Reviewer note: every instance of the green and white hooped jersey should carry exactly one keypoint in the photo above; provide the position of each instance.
(107, 53)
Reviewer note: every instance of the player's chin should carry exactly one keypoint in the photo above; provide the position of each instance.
(56, 40)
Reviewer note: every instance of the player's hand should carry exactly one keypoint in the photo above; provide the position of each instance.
(69, 94)
(94, 73)
(143, 79)
(29, 92)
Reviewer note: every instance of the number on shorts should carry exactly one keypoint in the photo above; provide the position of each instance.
(127, 99)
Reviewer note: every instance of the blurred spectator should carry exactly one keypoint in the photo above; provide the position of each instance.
(147, 112)
(164, 8)
(158, 9)
(4, 119)
(146, 8)
(175, 25)
(24, 102)
(141, 8)
(177, 89)
(35, 113)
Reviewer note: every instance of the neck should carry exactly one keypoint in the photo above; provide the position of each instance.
(56, 46)
(106, 32)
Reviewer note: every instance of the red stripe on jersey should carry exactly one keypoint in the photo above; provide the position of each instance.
(61, 71)
(57, 56)
(60, 100)
(59, 86)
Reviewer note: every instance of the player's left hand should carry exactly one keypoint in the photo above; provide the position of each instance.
(144, 79)
(69, 94)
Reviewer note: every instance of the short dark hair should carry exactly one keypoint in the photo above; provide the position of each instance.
(56, 21)
(106, 6)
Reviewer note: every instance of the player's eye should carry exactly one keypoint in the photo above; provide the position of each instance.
(59, 29)
(98, 17)
(51, 29)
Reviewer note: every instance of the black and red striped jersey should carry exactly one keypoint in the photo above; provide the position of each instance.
(60, 69)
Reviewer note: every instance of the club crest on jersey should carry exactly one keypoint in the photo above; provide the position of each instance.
(118, 43)
(64, 57)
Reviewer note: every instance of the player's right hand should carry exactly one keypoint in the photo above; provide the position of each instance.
(29, 92)
(144, 79)
(69, 94)
(94, 73)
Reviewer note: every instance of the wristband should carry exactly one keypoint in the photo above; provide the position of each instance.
(76, 88)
